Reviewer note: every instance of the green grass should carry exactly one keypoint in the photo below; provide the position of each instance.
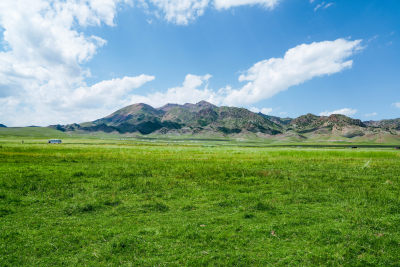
(123, 203)
(29, 132)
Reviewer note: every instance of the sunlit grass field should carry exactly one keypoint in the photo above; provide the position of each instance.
(90, 203)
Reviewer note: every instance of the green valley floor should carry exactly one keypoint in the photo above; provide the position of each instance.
(88, 203)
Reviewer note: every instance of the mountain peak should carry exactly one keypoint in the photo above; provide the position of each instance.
(199, 105)
(168, 107)
(204, 103)
(134, 108)
(344, 120)
(305, 119)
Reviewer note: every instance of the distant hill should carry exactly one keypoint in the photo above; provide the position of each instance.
(208, 119)
(385, 124)
(31, 132)
(2, 126)
(310, 122)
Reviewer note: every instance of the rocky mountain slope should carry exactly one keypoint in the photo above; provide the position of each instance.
(206, 118)
(202, 117)
(385, 124)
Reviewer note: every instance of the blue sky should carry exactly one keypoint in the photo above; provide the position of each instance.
(344, 57)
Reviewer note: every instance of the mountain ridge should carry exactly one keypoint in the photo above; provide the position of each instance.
(206, 118)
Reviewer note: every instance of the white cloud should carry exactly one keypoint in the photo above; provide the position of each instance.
(343, 111)
(397, 105)
(373, 114)
(75, 105)
(193, 89)
(225, 4)
(265, 111)
(110, 93)
(299, 64)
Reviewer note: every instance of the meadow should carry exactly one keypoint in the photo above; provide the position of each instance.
(90, 202)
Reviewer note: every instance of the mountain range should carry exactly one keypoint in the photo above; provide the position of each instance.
(204, 118)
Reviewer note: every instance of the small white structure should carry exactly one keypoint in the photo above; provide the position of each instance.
(55, 141)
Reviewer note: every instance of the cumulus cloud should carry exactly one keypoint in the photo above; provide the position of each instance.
(110, 93)
(265, 111)
(343, 111)
(225, 4)
(397, 105)
(299, 64)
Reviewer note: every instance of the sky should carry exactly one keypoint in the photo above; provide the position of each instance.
(70, 61)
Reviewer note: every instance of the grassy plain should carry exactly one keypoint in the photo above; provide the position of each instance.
(115, 202)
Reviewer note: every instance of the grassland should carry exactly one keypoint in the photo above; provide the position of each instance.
(121, 202)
